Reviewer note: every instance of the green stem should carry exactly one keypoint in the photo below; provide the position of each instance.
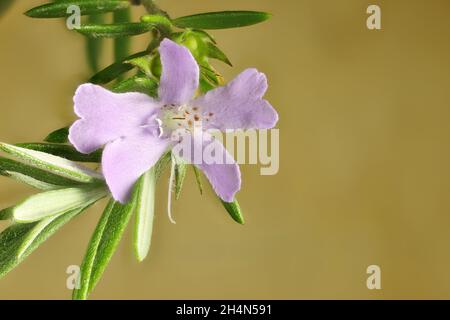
(121, 45)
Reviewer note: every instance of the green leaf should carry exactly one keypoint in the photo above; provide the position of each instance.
(215, 53)
(64, 151)
(114, 30)
(234, 210)
(54, 202)
(53, 164)
(29, 180)
(103, 243)
(115, 70)
(145, 211)
(94, 46)
(207, 73)
(17, 239)
(6, 214)
(58, 136)
(145, 206)
(180, 175)
(143, 63)
(15, 170)
(58, 9)
(137, 84)
(162, 164)
(198, 178)
(205, 85)
(35, 232)
(221, 20)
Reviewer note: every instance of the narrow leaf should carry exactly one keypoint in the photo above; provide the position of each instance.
(138, 84)
(180, 174)
(64, 151)
(53, 164)
(29, 180)
(13, 239)
(59, 8)
(145, 210)
(208, 73)
(58, 136)
(221, 20)
(115, 70)
(215, 53)
(103, 243)
(114, 30)
(234, 210)
(143, 63)
(34, 233)
(198, 178)
(162, 164)
(11, 168)
(54, 202)
(145, 207)
(205, 85)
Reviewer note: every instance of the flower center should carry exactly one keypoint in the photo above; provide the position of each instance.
(175, 117)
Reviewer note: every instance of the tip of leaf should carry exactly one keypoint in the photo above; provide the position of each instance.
(6, 214)
(265, 16)
(4, 146)
(240, 220)
(31, 13)
(139, 257)
(28, 13)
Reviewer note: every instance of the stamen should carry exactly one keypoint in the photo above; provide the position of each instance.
(178, 118)
(169, 196)
(161, 131)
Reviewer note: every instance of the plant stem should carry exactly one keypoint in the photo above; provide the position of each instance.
(152, 8)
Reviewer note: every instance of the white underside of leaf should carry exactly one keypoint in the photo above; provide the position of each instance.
(50, 203)
(145, 210)
(34, 233)
(31, 181)
(53, 164)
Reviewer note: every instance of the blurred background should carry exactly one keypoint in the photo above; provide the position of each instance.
(365, 159)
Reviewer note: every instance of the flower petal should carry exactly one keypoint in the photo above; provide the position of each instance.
(224, 175)
(180, 74)
(106, 116)
(127, 158)
(238, 105)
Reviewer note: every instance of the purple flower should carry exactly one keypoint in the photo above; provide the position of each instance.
(136, 129)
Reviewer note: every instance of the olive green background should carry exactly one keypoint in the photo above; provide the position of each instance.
(365, 160)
